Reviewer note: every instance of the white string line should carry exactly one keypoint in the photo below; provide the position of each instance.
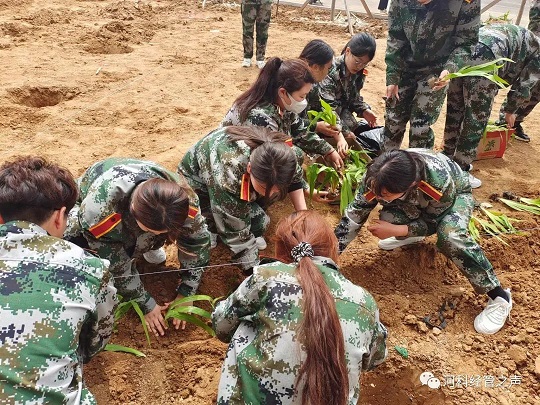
(237, 263)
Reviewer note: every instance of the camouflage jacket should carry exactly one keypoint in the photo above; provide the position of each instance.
(431, 200)
(431, 36)
(342, 92)
(520, 45)
(102, 216)
(57, 306)
(534, 17)
(217, 167)
(260, 320)
(270, 116)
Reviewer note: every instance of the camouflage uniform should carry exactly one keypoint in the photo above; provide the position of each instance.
(102, 217)
(216, 169)
(422, 42)
(526, 107)
(342, 92)
(442, 203)
(255, 13)
(534, 17)
(57, 306)
(260, 320)
(470, 99)
(270, 116)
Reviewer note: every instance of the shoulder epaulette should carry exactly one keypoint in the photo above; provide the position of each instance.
(369, 196)
(365, 72)
(428, 189)
(244, 188)
(468, 1)
(289, 142)
(192, 212)
(106, 225)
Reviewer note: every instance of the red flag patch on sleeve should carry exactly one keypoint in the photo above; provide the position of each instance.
(428, 189)
(289, 142)
(244, 188)
(369, 196)
(192, 212)
(106, 225)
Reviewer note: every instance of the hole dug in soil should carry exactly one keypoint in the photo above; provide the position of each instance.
(39, 97)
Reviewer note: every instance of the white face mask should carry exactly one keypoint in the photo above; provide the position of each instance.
(295, 106)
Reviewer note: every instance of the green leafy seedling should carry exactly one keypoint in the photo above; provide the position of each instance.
(119, 348)
(533, 208)
(487, 70)
(189, 313)
(327, 114)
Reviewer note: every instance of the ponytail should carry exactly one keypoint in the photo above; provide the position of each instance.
(290, 74)
(324, 372)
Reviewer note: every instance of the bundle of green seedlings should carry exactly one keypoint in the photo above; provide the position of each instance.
(497, 224)
(343, 183)
(487, 70)
(327, 114)
(531, 205)
(177, 309)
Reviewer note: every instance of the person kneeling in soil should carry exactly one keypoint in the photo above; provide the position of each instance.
(423, 193)
(57, 301)
(130, 208)
(238, 172)
(299, 331)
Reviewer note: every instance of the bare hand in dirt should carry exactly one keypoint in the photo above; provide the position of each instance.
(440, 83)
(383, 229)
(177, 323)
(326, 129)
(510, 119)
(320, 196)
(335, 159)
(342, 146)
(370, 117)
(154, 320)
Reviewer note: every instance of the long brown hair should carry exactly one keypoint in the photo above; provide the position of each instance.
(291, 74)
(273, 162)
(159, 205)
(324, 371)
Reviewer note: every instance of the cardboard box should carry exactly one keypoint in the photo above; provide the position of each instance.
(493, 144)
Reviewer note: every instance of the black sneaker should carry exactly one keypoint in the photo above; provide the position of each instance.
(520, 134)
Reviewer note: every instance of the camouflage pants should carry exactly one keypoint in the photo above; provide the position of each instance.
(454, 241)
(419, 105)
(469, 106)
(255, 13)
(534, 17)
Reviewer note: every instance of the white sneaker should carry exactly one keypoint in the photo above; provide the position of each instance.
(246, 62)
(494, 315)
(475, 183)
(155, 256)
(213, 240)
(392, 242)
(260, 64)
(261, 243)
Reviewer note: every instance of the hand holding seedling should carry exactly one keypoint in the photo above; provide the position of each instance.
(177, 323)
(382, 229)
(327, 130)
(154, 320)
(334, 159)
(342, 146)
(441, 82)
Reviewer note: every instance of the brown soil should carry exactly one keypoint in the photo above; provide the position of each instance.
(84, 80)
